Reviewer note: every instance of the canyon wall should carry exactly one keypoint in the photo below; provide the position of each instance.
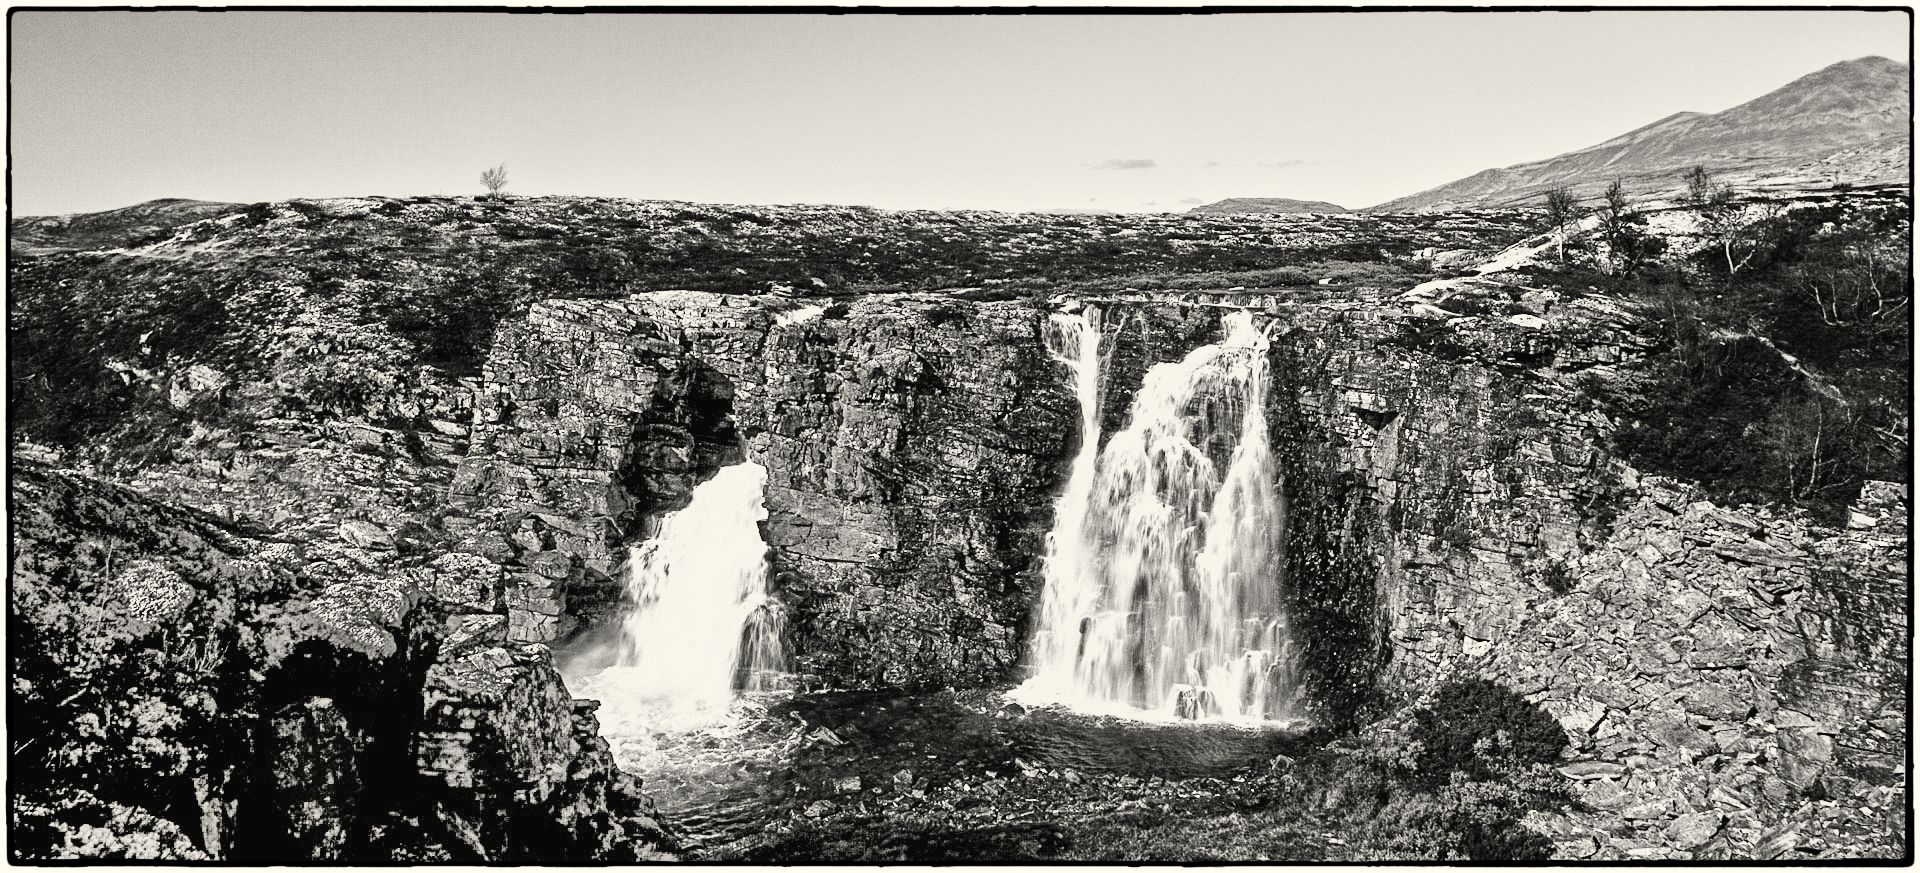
(912, 444)
(1733, 679)
(1437, 468)
(1445, 473)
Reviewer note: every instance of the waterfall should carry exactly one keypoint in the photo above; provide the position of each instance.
(1163, 571)
(702, 623)
(1074, 341)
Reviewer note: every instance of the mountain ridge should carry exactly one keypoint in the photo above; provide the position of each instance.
(1789, 136)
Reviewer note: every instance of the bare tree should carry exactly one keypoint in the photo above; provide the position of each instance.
(1699, 186)
(495, 179)
(1721, 215)
(1616, 199)
(1628, 243)
(1563, 210)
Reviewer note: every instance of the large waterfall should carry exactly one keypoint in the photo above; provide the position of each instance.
(1164, 566)
(702, 623)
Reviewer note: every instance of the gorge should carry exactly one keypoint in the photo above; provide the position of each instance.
(374, 532)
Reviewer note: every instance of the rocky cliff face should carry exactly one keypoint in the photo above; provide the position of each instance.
(1439, 468)
(318, 372)
(1732, 679)
(188, 692)
(911, 441)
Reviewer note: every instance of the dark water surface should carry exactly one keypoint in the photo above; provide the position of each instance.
(782, 760)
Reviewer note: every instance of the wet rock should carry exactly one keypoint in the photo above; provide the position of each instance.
(912, 445)
(1191, 702)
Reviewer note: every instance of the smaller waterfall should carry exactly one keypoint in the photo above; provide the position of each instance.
(1073, 340)
(702, 623)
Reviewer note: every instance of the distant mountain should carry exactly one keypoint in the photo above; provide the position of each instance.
(1267, 204)
(1846, 123)
(128, 225)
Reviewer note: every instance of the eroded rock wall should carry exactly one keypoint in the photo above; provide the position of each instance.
(912, 444)
(191, 691)
(1733, 679)
(1448, 458)
(1439, 471)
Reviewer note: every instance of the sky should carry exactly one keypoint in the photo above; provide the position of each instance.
(1115, 112)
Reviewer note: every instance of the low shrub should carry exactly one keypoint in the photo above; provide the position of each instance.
(1483, 730)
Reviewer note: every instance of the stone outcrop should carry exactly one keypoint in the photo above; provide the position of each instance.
(911, 441)
(1440, 467)
(232, 703)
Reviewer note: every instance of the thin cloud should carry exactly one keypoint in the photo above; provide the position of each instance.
(1126, 164)
(1263, 165)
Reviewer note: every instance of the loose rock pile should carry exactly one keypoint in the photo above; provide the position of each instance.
(1733, 681)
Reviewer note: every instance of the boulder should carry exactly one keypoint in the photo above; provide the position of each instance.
(365, 535)
(1694, 829)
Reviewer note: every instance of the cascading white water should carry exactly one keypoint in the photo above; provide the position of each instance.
(1164, 569)
(1070, 591)
(702, 622)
